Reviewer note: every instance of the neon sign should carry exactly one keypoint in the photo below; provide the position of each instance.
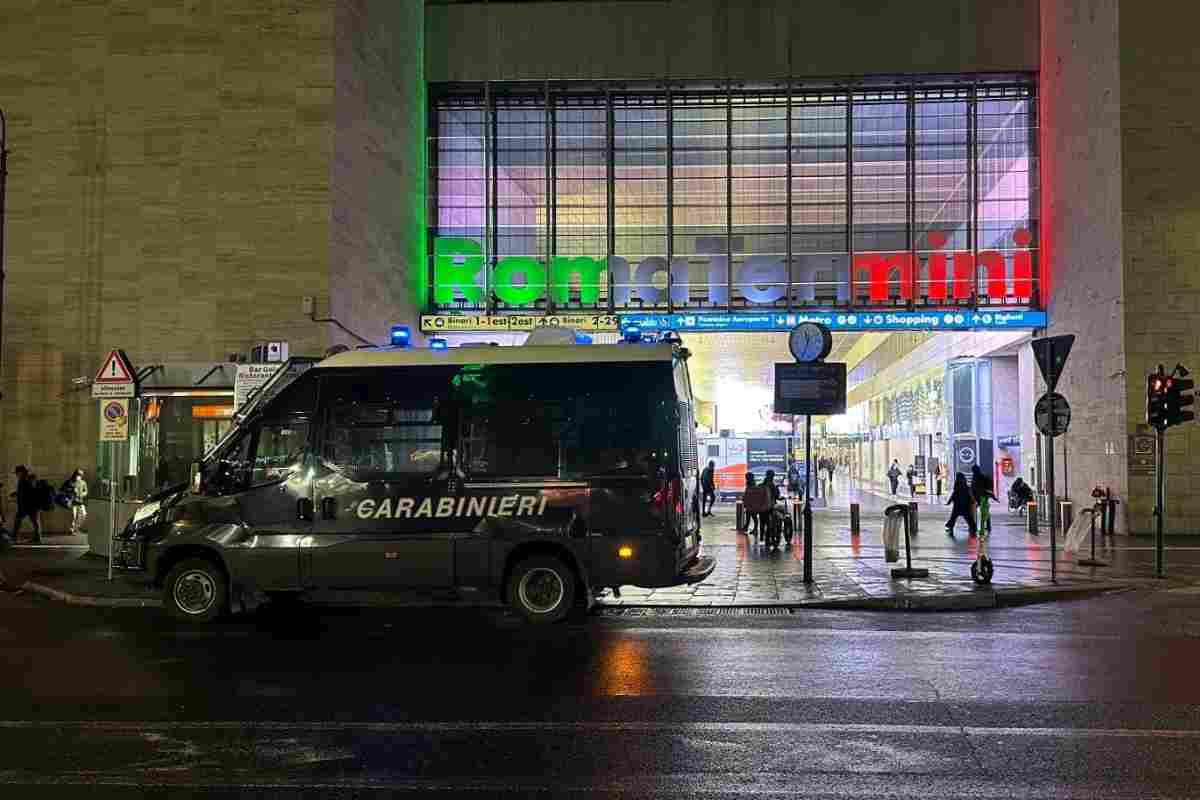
(522, 280)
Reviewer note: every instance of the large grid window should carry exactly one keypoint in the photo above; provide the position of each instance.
(711, 198)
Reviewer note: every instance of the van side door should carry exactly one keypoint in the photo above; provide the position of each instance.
(382, 486)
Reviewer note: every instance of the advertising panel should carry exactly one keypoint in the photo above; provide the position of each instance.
(958, 320)
(765, 454)
(731, 477)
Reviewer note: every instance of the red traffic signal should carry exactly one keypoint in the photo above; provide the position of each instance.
(1156, 400)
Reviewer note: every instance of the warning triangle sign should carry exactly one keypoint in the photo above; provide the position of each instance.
(116, 369)
(1051, 354)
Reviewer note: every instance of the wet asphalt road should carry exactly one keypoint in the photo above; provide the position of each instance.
(1092, 699)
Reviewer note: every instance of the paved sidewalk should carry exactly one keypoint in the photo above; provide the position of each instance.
(848, 572)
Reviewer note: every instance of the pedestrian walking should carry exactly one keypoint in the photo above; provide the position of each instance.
(28, 505)
(893, 474)
(794, 479)
(939, 472)
(829, 467)
(911, 475)
(708, 487)
(77, 492)
(962, 504)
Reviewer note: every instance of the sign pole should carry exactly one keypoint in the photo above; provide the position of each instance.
(808, 546)
(1160, 500)
(112, 502)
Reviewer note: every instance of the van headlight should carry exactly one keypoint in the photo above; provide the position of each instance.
(145, 516)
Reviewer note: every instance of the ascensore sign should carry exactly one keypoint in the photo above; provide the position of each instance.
(944, 277)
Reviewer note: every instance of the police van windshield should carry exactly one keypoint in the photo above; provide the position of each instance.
(283, 378)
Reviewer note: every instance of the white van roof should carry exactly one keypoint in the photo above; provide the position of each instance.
(541, 354)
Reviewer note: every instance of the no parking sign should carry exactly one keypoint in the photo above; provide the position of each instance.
(114, 420)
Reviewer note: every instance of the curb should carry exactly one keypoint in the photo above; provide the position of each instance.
(90, 601)
(966, 601)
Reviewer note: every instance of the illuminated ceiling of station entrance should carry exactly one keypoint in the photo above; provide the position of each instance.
(737, 371)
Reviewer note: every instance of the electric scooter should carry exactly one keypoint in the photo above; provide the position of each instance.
(981, 567)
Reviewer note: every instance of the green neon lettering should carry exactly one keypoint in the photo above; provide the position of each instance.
(456, 266)
(535, 280)
(591, 276)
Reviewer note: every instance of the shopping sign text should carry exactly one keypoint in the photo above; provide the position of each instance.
(521, 280)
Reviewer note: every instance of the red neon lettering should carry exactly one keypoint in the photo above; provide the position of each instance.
(937, 266)
(1022, 265)
(878, 269)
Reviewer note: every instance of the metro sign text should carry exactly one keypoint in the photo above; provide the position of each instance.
(522, 280)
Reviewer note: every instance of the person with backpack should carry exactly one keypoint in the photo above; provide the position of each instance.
(28, 505)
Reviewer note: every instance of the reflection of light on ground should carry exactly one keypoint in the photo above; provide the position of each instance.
(623, 668)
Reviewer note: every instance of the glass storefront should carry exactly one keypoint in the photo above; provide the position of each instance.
(572, 198)
(182, 410)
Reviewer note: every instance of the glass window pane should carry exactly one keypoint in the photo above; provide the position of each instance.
(640, 202)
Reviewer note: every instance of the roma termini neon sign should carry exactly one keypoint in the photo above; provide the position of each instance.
(948, 277)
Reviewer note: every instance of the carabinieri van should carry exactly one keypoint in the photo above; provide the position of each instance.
(532, 475)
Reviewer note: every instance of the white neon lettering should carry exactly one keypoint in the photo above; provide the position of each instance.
(385, 509)
(476, 506)
(425, 509)
(404, 505)
(542, 505)
(458, 510)
(526, 506)
(366, 509)
(445, 507)
(506, 506)
(491, 511)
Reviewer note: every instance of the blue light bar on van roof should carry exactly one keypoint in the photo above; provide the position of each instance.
(439, 344)
(633, 333)
(401, 336)
(582, 338)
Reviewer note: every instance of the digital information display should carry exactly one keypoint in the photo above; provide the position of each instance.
(817, 388)
(953, 320)
(523, 323)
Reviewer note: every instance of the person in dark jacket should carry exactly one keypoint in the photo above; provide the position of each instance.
(893, 474)
(962, 504)
(27, 505)
(764, 517)
(750, 484)
(984, 491)
(708, 487)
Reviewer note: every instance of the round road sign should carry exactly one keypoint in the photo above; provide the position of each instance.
(1052, 414)
(966, 455)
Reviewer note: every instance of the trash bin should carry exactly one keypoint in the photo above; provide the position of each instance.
(893, 519)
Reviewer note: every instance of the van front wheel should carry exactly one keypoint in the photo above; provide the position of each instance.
(196, 590)
(541, 589)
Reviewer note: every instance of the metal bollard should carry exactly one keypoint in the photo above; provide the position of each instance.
(1032, 512)
(855, 522)
(797, 513)
(912, 516)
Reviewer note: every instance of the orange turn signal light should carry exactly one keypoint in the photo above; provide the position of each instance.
(625, 552)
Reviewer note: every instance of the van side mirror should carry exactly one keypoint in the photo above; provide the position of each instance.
(194, 478)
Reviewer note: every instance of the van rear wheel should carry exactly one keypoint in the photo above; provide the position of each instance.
(196, 590)
(541, 589)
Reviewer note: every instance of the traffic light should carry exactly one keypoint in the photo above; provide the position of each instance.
(1179, 396)
(1156, 400)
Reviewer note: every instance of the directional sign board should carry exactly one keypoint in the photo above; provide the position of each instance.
(1051, 354)
(810, 388)
(1052, 414)
(115, 378)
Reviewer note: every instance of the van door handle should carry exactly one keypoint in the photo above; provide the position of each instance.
(304, 509)
(328, 508)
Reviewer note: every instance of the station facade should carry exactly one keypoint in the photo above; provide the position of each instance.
(940, 183)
